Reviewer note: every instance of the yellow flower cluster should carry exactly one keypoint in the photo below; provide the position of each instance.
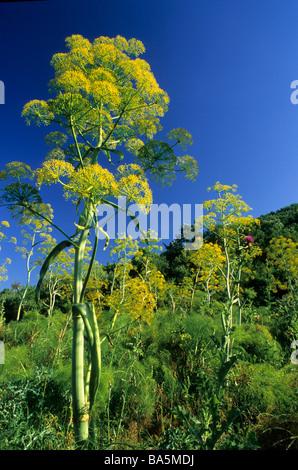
(52, 171)
(91, 181)
(95, 182)
(133, 185)
(3, 270)
(283, 255)
(207, 262)
(182, 136)
(96, 82)
(73, 81)
(38, 112)
(5, 223)
(138, 301)
(105, 92)
(16, 170)
(189, 165)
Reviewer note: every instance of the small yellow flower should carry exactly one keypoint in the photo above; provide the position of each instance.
(134, 185)
(73, 80)
(91, 181)
(5, 223)
(38, 112)
(52, 170)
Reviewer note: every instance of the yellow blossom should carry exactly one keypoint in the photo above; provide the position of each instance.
(52, 170)
(91, 181)
(73, 81)
(133, 185)
(37, 111)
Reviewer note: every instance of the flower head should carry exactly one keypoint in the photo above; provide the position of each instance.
(249, 239)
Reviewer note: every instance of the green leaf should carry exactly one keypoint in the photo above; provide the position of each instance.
(20, 194)
(118, 152)
(48, 261)
(230, 418)
(225, 368)
(107, 152)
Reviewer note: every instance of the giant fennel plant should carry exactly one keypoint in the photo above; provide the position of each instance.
(106, 102)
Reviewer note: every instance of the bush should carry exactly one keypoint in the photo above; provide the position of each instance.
(269, 389)
(148, 372)
(278, 431)
(255, 344)
(34, 413)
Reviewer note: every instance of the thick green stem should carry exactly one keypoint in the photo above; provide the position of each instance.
(88, 388)
(29, 270)
(89, 268)
(75, 140)
(80, 407)
(84, 323)
(228, 321)
(80, 415)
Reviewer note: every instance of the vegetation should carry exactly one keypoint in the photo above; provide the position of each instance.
(157, 349)
(165, 381)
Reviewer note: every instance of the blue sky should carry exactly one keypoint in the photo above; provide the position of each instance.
(226, 65)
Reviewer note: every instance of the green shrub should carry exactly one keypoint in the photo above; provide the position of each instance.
(278, 431)
(34, 413)
(18, 363)
(255, 344)
(268, 388)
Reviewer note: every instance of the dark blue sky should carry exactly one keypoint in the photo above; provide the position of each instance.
(226, 65)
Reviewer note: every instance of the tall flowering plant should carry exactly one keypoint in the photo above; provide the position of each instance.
(226, 215)
(106, 101)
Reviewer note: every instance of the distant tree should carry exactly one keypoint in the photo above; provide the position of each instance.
(283, 222)
(282, 254)
(173, 261)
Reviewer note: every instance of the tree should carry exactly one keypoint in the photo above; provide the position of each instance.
(107, 101)
(283, 222)
(282, 256)
(173, 261)
(282, 263)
